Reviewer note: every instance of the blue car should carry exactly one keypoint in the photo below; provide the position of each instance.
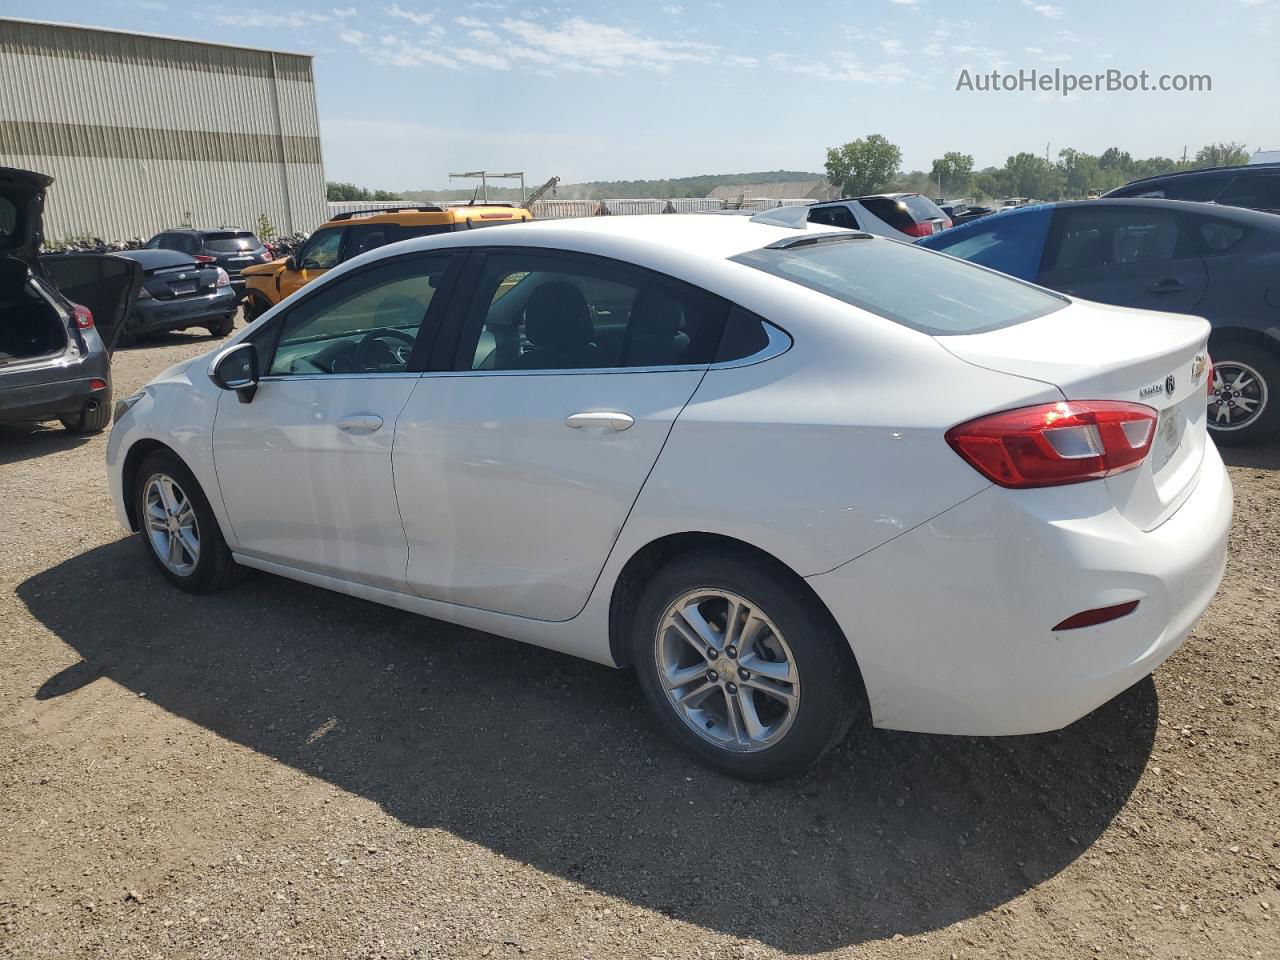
(1217, 262)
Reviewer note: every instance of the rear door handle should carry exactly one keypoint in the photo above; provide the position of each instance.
(611, 420)
(1169, 285)
(360, 423)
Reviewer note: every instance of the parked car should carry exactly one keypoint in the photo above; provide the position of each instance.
(348, 235)
(1255, 186)
(58, 317)
(897, 215)
(178, 292)
(230, 248)
(974, 212)
(792, 475)
(1191, 258)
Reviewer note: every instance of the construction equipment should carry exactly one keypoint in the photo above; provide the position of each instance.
(538, 194)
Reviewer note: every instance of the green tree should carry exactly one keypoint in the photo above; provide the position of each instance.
(346, 191)
(1081, 172)
(1031, 175)
(1222, 155)
(991, 182)
(863, 166)
(1113, 158)
(385, 195)
(952, 172)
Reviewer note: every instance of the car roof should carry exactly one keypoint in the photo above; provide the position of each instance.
(689, 235)
(155, 259)
(1254, 168)
(429, 215)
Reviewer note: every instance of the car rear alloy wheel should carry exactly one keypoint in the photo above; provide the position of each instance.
(171, 525)
(1239, 396)
(727, 670)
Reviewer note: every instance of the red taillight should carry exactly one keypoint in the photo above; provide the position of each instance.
(1091, 618)
(919, 229)
(1056, 443)
(1208, 387)
(96, 384)
(201, 258)
(84, 317)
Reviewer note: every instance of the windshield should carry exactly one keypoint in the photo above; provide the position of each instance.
(934, 294)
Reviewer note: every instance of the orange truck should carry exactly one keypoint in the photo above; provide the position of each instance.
(348, 235)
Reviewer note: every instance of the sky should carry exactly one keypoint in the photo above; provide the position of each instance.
(408, 91)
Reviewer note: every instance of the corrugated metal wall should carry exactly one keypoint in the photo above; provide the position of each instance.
(142, 133)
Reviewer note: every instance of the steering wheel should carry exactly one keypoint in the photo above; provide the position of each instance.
(364, 349)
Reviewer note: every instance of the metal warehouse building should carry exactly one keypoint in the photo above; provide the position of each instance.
(142, 132)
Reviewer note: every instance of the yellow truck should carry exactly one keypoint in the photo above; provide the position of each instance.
(348, 235)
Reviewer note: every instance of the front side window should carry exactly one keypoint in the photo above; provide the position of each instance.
(540, 311)
(933, 294)
(322, 250)
(366, 322)
(366, 237)
(1102, 237)
(1009, 242)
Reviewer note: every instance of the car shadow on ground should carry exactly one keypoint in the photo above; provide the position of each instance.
(1264, 456)
(554, 762)
(26, 441)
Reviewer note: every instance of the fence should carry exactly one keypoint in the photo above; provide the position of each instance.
(565, 209)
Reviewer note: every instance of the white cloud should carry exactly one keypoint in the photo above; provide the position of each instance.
(578, 44)
(481, 58)
(344, 13)
(905, 3)
(673, 9)
(842, 67)
(1044, 9)
(271, 21)
(891, 47)
(393, 50)
(470, 22)
(417, 19)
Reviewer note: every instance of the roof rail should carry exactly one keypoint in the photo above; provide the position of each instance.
(374, 211)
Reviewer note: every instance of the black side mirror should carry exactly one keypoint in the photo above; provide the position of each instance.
(237, 369)
(291, 265)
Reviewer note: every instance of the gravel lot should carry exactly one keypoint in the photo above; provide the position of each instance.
(278, 771)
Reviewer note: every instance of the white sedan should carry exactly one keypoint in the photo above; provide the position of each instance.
(794, 476)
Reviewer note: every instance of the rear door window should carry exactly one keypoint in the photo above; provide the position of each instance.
(890, 211)
(1100, 237)
(911, 286)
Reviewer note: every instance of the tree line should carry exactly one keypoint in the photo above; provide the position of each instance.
(872, 164)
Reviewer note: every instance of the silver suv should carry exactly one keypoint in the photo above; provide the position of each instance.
(902, 216)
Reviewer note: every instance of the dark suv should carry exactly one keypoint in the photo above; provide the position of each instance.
(227, 247)
(1256, 187)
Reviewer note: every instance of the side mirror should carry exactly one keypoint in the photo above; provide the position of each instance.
(237, 369)
(291, 264)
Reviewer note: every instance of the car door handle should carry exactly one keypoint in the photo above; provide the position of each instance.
(360, 423)
(612, 420)
(1169, 285)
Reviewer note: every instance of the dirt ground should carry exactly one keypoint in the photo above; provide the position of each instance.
(278, 771)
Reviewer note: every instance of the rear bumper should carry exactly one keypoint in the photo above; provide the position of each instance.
(58, 389)
(156, 315)
(951, 621)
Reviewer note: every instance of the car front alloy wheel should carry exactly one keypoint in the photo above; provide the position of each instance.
(172, 528)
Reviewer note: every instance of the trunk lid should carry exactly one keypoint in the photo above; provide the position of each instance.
(21, 212)
(1092, 351)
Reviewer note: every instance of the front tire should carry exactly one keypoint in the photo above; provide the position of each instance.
(224, 326)
(179, 531)
(1245, 404)
(742, 667)
(255, 305)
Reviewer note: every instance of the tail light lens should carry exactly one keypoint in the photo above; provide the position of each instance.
(223, 280)
(1056, 443)
(202, 258)
(84, 317)
(1208, 387)
(919, 229)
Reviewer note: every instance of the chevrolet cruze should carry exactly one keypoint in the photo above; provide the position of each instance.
(794, 476)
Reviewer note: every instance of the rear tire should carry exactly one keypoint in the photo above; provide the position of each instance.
(94, 416)
(224, 327)
(795, 689)
(179, 531)
(255, 305)
(1244, 374)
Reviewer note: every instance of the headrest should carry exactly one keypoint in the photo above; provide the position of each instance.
(557, 317)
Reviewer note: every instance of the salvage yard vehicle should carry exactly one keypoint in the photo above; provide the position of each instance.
(230, 248)
(1217, 262)
(794, 476)
(1254, 187)
(348, 235)
(903, 216)
(58, 317)
(178, 292)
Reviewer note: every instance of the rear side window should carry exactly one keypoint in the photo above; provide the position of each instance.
(1201, 189)
(744, 336)
(8, 217)
(935, 295)
(231, 241)
(1256, 193)
(1219, 237)
(834, 217)
(1010, 242)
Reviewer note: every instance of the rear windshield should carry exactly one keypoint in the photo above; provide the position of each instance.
(922, 207)
(230, 242)
(934, 294)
